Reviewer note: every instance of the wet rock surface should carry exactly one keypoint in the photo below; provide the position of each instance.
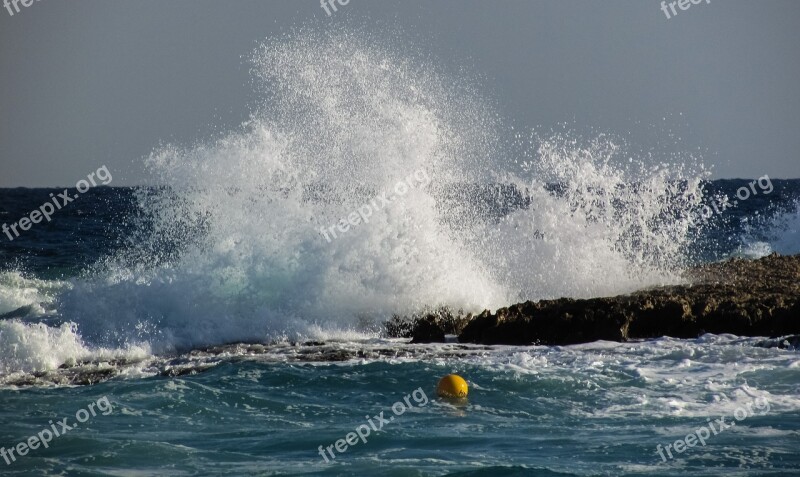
(429, 327)
(741, 297)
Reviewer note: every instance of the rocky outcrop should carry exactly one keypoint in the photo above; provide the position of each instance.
(428, 327)
(741, 297)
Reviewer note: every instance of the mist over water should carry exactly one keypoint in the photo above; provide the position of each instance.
(230, 246)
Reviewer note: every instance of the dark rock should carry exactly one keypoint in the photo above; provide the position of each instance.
(428, 330)
(741, 297)
(784, 342)
(400, 326)
(429, 326)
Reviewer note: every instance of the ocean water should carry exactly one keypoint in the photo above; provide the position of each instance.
(214, 321)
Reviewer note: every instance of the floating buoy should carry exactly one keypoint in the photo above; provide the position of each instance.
(452, 386)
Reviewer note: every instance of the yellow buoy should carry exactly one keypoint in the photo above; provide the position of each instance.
(452, 386)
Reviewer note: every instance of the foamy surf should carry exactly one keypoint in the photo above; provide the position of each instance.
(778, 233)
(232, 249)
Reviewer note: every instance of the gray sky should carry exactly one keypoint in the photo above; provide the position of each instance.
(91, 82)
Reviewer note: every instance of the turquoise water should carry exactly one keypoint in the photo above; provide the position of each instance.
(598, 409)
